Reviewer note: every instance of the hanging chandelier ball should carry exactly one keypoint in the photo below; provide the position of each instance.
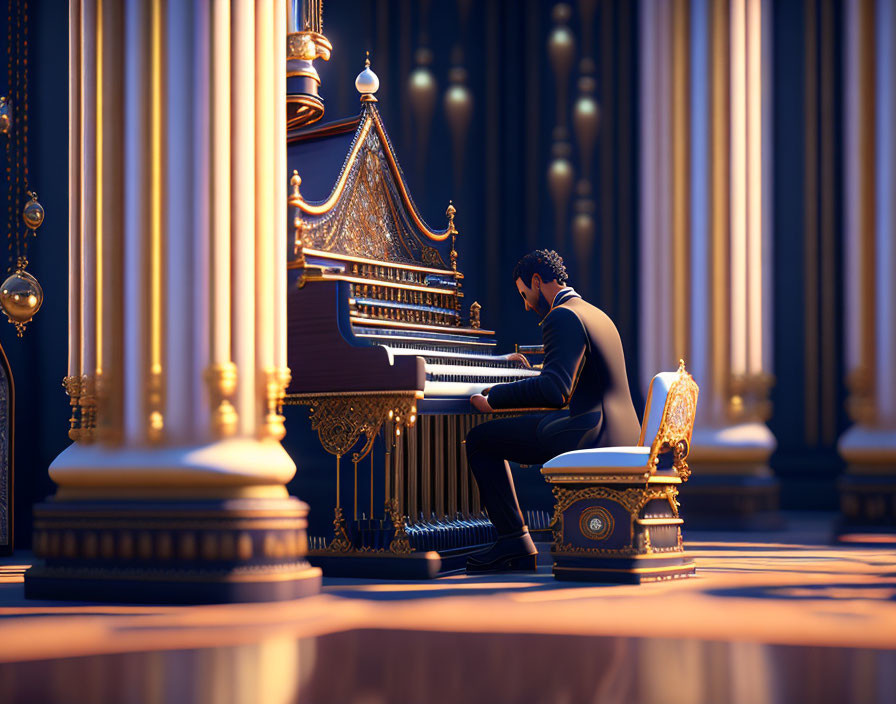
(33, 213)
(21, 296)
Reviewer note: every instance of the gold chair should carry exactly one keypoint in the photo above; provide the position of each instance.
(615, 509)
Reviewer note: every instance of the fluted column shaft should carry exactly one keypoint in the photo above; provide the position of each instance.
(869, 446)
(705, 230)
(177, 240)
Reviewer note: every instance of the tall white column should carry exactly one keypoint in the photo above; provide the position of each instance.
(705, 230)
(177, 260)
(868, 491)
(166, 192)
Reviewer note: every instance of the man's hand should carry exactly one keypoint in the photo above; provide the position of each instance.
(519, 357)
(480, 403)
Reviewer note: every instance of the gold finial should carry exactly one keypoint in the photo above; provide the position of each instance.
(475, 310)
(295, 182)
(367, 61)
(453, 232)
(450, 213)
(680, 365)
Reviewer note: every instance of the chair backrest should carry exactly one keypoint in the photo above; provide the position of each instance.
(669, 418)
(656, 403)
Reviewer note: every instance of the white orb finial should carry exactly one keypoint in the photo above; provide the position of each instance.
(367, 83)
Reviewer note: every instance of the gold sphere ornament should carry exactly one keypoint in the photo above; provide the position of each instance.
(5, 115)
(33, 213)
(21, 297)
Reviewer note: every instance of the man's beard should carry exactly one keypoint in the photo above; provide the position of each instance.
(542, 305)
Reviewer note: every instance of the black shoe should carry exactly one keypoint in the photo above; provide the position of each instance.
(510, 553)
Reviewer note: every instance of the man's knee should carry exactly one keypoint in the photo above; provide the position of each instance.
(476, 440)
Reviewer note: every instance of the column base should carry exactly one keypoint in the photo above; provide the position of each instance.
(171, 551)
(868, 488)
(731, 486)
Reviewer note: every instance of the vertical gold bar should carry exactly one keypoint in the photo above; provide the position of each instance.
(608, 147)
(74, 191)
(828, 377)
(439, 464)
(464, 478)
(388, 470)
(110, 225)
(868, 203)
(413, 470)
(338, 469)
(399, 473)
(425, 435)
(475, 505)
(681, 180)
(370, 515)
(810, 233)
(155, 396)
(454, 448)
(720, 168)
(625, 153)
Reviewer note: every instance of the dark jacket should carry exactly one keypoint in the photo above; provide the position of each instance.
(584, 367)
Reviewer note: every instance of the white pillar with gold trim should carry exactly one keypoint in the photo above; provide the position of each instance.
(174, 487)
(705, 238)
(868, 490)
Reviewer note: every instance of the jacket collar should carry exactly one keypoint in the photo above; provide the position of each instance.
(563, 295)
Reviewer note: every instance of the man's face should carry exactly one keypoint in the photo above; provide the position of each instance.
(531, 295)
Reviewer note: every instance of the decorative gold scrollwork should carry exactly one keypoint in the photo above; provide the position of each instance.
(340, 421)
(677, 423)
(631, 499)
(72, 385)
(341, 541)
(401, 543)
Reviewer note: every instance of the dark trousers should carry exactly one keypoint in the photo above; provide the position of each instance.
(489, 448)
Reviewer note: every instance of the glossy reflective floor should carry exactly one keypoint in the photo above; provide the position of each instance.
(770, 618)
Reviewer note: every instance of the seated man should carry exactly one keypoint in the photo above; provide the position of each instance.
(584, 367)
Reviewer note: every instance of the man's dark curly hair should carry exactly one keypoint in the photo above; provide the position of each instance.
(544, 262)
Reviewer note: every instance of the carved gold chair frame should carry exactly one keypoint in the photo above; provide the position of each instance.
(677, 424)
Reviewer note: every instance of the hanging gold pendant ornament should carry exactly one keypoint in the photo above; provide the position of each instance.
(5, 115)
(21, 296)
(33, 213)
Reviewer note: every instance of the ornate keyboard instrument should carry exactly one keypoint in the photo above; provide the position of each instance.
(383, 356)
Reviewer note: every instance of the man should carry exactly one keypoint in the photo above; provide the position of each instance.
(584, 368)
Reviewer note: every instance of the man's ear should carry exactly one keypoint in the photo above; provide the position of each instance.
(536, 277)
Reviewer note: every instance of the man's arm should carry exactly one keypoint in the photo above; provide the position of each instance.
(564, 351)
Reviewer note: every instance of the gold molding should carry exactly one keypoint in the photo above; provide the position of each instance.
(221, 380)
(373, 262)
(371, 118)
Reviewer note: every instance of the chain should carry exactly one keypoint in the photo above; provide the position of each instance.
(17, 141)
(10, 196)
(22, 257)
(19, 133)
